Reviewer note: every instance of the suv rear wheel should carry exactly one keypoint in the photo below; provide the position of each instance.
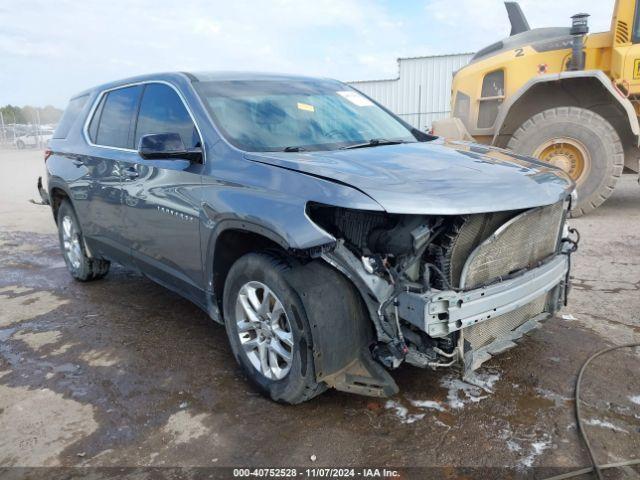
(268, 329)
(80, 265)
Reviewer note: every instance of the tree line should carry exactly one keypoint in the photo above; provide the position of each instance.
(29, 114)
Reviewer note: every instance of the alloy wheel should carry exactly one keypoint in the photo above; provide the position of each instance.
(264, 330)
(71, 242)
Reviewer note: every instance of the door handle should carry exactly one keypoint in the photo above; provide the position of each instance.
(77, 163)
(131, 173)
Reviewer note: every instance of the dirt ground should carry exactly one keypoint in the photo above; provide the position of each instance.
(122, 372)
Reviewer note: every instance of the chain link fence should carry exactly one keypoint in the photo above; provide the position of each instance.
(21, 136)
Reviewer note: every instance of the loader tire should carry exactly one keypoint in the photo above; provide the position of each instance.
(582, 143)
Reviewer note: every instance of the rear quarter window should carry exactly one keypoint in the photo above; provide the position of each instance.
(70, 116)
(113, 120)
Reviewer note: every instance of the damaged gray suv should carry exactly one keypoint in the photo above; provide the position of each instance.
(333, 240)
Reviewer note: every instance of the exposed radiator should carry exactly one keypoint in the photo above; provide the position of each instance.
(521, 243)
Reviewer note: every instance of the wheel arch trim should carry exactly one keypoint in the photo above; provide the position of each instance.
(211, 245)
(598, 75)
(53, 183)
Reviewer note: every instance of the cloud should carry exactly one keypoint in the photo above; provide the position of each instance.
(482, 20)
(51, 50)
(79, 44)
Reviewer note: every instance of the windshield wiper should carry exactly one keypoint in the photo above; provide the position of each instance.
(294, 149)
(374, 142)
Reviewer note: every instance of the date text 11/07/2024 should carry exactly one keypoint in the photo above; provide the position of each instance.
(315, 473)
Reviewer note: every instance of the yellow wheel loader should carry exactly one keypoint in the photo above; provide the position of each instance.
(560, 94)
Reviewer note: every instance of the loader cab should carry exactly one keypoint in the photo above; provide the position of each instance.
(625, 55)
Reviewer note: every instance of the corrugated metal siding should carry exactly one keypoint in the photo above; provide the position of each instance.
(422, 91)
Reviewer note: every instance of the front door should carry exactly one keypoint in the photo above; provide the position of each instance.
(161, 198)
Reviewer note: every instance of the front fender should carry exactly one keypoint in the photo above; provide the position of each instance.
(213, 229)
(270, 201)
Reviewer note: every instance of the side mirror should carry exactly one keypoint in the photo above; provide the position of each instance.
(157, 146)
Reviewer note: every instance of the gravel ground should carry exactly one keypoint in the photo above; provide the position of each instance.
(122, 372)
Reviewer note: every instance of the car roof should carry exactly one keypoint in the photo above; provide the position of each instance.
(210, 76)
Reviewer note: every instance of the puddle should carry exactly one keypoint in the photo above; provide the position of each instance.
(5, 333)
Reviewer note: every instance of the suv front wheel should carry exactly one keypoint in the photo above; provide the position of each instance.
(268, 330)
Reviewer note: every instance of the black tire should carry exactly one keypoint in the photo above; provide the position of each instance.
(20, 145)
(299, 384)
(596, 134)
(83, 268)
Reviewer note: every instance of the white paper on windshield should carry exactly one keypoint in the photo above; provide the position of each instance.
(355, 98)
(306, 107)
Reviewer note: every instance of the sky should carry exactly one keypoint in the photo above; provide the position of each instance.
(50, 50)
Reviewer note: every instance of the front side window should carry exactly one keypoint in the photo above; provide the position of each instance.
(114, 118)
(162, 111)
(272, 115)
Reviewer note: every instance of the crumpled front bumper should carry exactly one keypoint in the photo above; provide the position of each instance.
(490, 318)
(440, 313)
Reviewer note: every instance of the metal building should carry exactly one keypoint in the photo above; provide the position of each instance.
(421, 92)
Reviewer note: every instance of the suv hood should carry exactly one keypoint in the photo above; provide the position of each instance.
(437, 177)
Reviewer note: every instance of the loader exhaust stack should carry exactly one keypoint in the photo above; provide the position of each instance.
(579, 28)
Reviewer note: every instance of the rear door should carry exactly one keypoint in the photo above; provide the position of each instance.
(162, 197)
(110, 132)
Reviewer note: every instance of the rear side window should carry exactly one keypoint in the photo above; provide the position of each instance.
(162, 111)
(115, 117)
(69, 116)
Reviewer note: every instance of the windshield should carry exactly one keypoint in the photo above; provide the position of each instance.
(294, 115)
